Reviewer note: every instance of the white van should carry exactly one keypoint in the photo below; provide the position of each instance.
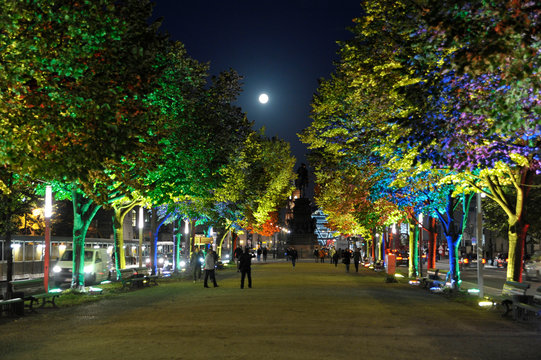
(96, 267)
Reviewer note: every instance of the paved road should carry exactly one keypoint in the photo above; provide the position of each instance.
(315, 311)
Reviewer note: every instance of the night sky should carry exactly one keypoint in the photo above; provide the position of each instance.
(280, 47)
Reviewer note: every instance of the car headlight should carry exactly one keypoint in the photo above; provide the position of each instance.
(88, 269)
(182, 263)
(160, 261)
(57, 269)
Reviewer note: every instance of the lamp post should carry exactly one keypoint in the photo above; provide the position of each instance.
(141, 224)
(480, 246)
(47, 213)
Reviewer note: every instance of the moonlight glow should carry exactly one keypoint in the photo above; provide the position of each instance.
(263, 98)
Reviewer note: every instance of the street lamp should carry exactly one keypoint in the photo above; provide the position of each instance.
(141, 226)
(47, 213)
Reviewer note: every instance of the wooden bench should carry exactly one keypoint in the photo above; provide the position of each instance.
(33, 291)
(511, 289)
(432, 279)
(527, 307)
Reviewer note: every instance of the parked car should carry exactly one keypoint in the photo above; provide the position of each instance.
(402, 258)
(532, 267)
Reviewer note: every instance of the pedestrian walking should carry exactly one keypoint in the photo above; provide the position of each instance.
(346, 259)
(357, 259)
(293, 254)
(259, 252)
(264, 254)
(316, 254)
(245, 266)
(195, 263)
(210, 268)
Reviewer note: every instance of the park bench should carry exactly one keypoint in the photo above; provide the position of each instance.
(148, 279)
(432, 279)
(509, 291)
(527, 307)
(8, 305)
(33, 292)
(137, 278)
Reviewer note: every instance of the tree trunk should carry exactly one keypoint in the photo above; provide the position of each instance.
(517, 239)
(453, 233)
(177, 247)
(522, 178)
(432, 244)
(453, 276)
(84, 211)
(226, 232)
(121, 209)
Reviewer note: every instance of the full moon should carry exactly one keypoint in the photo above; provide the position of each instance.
(263, 98)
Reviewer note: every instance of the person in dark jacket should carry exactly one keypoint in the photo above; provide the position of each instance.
(357, 259)
(195, 262)
(245, 267)
(346, 259)
(293, 254)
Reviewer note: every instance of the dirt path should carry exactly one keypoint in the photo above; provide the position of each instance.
(313, 312)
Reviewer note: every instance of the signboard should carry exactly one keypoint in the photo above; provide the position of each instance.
(202, 240)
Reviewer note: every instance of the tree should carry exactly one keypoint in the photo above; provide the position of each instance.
(258, 179)
(73, 79)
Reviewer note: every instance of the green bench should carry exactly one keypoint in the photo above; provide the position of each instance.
(33, 292)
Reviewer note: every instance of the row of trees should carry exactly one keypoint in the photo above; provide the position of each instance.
(430, 103)
(99, 104)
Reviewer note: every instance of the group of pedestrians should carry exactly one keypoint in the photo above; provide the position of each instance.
(262, 251)
(198, 258)
(208, 261)
(346, 255)
(320, 254)
(244, 262)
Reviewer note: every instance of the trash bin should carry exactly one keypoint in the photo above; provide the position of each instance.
(18, 308)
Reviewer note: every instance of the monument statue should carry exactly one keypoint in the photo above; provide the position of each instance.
(302, 179)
